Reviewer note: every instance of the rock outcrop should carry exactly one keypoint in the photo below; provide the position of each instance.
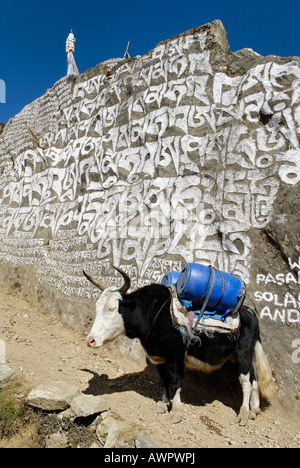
(187, 153)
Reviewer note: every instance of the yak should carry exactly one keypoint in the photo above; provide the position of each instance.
(145, 314)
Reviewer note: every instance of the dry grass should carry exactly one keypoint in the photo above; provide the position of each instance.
(23, 427)
(17, 420)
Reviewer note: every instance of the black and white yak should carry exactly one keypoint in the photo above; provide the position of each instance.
(145, 314)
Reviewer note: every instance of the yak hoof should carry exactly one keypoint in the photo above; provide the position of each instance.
(242, 418)
(161, 407)
(253, 414)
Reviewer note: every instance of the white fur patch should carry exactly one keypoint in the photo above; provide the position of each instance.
(108, 323)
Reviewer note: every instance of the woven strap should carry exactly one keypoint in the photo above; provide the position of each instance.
(207, 298)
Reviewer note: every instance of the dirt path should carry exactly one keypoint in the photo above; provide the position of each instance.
(40, 348)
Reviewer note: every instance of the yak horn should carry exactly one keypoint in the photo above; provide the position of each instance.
(100, 284)
(126, 284)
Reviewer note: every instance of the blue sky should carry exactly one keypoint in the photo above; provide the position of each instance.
(33, 34)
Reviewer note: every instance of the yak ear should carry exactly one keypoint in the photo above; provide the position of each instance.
(123, 290)
(100, 284)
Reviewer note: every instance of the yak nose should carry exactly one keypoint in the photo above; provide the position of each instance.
(91, 342)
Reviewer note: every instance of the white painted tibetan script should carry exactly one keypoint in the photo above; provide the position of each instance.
(158, 163)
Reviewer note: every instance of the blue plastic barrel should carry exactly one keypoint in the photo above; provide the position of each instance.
(194, 284)
(170, 278)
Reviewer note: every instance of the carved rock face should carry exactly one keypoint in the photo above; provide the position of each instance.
(188, 153)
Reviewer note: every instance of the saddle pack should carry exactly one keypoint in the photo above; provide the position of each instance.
(205, 299)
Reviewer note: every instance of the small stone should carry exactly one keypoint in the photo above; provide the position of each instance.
(57, 440)
(161, 408)
(95, 445)
(176, 418)
(143, 441)
(6, 374)
(108, 432)
(86, 405)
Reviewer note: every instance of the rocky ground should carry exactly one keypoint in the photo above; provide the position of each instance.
(40, 348)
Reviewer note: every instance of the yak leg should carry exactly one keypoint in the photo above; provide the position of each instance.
(164, 380)
(176, 371)
(250, 399)
(244, 360)
(171, 375)
(246, 388)
(254, 400)
(176, 402)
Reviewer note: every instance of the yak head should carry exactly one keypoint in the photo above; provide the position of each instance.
(108, 323)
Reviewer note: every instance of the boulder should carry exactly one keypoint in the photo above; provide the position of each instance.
(53, 395)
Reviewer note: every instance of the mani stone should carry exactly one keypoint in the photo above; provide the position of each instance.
(53, 395)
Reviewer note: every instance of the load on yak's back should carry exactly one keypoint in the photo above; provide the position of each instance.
(211, 297)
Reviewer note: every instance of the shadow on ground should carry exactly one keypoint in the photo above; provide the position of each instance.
(198, 389)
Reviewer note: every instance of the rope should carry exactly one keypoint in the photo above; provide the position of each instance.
(206, 300)
(188, 334)
(242, 298)
(155, 319)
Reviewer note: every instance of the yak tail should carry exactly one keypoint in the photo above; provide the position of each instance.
(263, 373)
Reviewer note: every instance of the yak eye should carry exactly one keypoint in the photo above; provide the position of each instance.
(111, 309)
